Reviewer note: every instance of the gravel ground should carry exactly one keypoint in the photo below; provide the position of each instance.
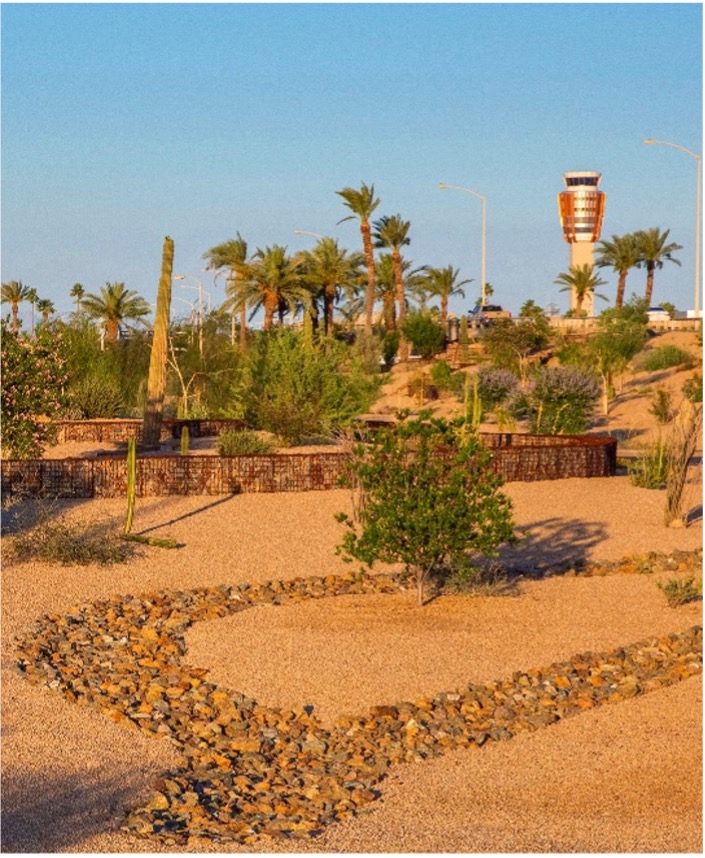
(624, 778)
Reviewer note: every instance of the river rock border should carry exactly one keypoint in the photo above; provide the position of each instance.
(252, 772)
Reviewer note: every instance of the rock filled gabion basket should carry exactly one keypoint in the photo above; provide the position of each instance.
(251, 771)
(515, 457)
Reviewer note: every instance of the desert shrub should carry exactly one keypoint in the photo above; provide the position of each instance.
(424, 332)
(33, 375)
(692, 388)
(573, 354)
(560, 400)
(664, 357)
(296, 389)
(244, 442)
(508, 345)
(95, 397)
(680, 591)
(443, 378)
(661, 405)
(70, 545)
(650, 469)
(428, 499)
(390, 346)
(495, 386)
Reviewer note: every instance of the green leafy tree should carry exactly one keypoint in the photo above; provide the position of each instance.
(114, 306)
(33, 382)
(424, 332)
(362, 204)
(621, 253)
(14, 292)
(429, 499)
(653, 252)
(581, 281)
(509, 345)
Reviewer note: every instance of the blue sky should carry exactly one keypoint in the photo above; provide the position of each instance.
(125, 123)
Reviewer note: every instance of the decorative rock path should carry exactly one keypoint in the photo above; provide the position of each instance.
(250, 771)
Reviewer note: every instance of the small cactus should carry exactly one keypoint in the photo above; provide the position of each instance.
(184, 440)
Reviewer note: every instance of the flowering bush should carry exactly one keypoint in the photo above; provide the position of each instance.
(33, 379)
(495, 386)
(561, 400)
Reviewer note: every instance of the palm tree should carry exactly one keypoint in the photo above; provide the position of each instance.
(77, 292)
(13, 293)
(231, 256)
(393, 233)
(114, 305)
(653, 250)
(273, 281)
(386, 286)
(46, 308)
(32, 297)
(620, 254)
(442, 283)
(362, 203)
(331, 272)
(581, 281)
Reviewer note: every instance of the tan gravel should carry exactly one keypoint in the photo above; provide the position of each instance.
(622, 778)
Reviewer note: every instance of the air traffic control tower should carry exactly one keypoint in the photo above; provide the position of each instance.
(581, 208)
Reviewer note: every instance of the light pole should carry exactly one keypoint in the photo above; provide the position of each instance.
(698, 194)
(484, 229)
(200, 305)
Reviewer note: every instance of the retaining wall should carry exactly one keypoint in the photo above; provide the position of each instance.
(515, 458)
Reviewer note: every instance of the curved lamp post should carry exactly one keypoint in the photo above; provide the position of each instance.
(698, 192)
(484, 229)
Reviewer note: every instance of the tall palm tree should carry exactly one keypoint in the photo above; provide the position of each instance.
(393, 233)
(443, 283)
(362, 204)
(330, 272)
(231, 256)
(386, 286)
(274, 283)
(32, 297)
(13, 293)
(114, 305)
(621, 254)
(46, 308)
(581, 281)
(653, 250)
(77, 292)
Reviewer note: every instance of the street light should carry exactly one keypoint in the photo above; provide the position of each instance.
(484, 229)
(306, 232)
(201, 290)
(698, 192)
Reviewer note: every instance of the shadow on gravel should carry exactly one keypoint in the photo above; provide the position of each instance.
(154, 508)
(551, 546)
(57, 814)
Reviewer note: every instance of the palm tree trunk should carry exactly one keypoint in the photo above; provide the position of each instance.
(156, 382)
(401, 301)
(15, 316)
(649, 283)
(328, 301)
(444, 313)
(243, 329)
(112, 327)
(370, 262)
(621, 286)
(270, 306)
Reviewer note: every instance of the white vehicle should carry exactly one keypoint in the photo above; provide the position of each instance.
(658, 314)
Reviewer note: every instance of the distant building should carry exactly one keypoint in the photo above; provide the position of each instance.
(581, 208)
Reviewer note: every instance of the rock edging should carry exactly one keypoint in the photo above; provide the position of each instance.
(250, 771)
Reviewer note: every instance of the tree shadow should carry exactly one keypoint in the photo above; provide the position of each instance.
(551, 546)
(41, 814)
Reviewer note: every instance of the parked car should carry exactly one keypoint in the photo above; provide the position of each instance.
(658, 314)
(489, 312)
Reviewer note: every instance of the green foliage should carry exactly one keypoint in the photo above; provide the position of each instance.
(244, 442)
(680, 591)
(661, 405)
(495, 386)
(650, 469)
(443, 378)
(296, 389)
(692, 388)
(390, 346)
(508, 345)
(424, 332)
(94, 397)
(33, 377)
(560, 400)
(429, 499)
(664, 357)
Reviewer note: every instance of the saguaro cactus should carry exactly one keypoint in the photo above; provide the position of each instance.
(156, 381)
